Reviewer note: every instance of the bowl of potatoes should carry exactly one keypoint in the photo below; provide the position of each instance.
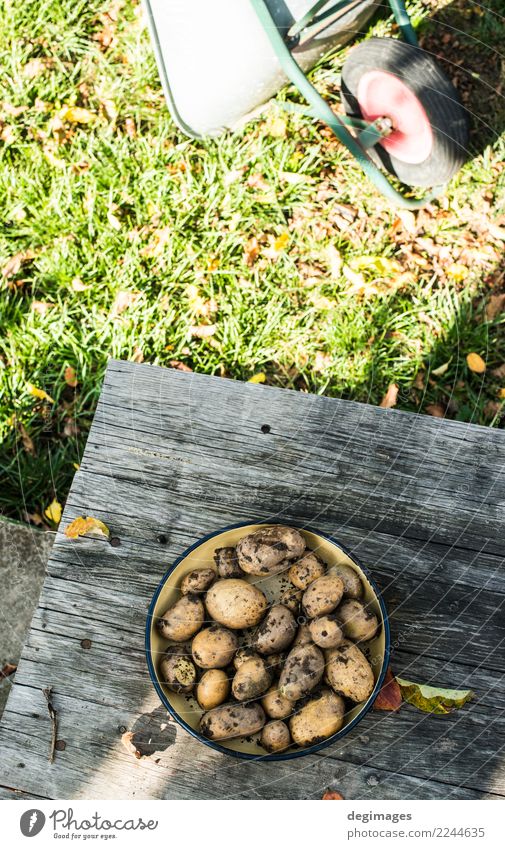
(267, 641)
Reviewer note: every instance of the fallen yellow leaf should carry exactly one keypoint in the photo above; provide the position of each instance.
(77, 115)
(277, 127)
(438, 372)
(76, 466)
(39, 393)
(70, 377)
(381, 265)
(260, 377)
(457, 272)
(281, 242)
(501, 393)
(53, 512)
(390, 397)
(88, 526)
(475, 363)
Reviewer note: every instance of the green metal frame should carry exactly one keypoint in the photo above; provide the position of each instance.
(368, 134)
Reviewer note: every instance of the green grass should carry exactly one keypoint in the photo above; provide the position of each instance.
(125, 203)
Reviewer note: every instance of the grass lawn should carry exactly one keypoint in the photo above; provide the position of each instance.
(264, 252)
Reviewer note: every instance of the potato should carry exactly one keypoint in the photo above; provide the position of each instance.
(267, 550)
(275, 705)
(292, 599)
(251, 680)
(326, 631)
(242, 655)
(318, 719)
(214, 647)
(275, 736)
(353, 588)
(302, 671)
(348, 672)
(322, 595)
(177, 670)
(227, 563)
(183, 619)
(232, 720)
(306, 570)
(276, 632)
(212, 689)
(197, 581)
(275, 662)
(235, 603)
(303, 635)
(358, 622)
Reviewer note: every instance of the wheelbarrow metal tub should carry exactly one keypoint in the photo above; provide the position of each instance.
(216, 61)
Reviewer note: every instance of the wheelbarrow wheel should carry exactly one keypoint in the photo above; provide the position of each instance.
(428, 141)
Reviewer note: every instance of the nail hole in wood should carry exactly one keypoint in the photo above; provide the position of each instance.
(60, 745)
(265, 428)
(115, 541)
(162, 539)
(86, 644)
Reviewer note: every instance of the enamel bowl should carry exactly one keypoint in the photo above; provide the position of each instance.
(184, 708)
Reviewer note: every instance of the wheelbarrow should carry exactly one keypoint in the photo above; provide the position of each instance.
(220, 60)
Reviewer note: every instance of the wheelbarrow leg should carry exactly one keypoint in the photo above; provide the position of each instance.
(402, 18)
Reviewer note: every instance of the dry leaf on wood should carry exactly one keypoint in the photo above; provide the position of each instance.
(390, 397)
(88, 526)
(8, 669)
(389, 696)
(433, 699)
(332, 794)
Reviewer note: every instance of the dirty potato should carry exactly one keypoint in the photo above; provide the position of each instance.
(269, 549)
(251, 680)
(214, 647)
(232, 720)
(302, 671)
(322, 595)
(358, 622)
(177, 670)
(197, 581)
(353, 588)
(275, 705)
(275, 736)
(326, 631)
(318, 719)
(235, 603)
(227, 562)
(306, 570)
(242, 655)
(276, 632)
(275, 662)
(292, 599)
(181, 621)
(348, 672)
(303, 635)
(212, 689)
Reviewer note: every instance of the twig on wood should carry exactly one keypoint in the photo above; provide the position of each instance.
(54, 721)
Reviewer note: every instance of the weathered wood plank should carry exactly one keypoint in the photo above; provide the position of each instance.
(418, 500)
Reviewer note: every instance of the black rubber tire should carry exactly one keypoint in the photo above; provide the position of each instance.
(423, 76)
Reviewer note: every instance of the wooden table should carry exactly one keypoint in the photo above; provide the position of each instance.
(173, 456)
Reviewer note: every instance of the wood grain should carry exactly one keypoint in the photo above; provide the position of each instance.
(419, 500)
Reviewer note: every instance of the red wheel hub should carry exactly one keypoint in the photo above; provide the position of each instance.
(382, 95)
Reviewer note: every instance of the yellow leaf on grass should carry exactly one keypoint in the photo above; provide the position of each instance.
(457, 272)
(70, 377)
(380, 265)
(53, 512)
(203, 331)
(438, 372)
(501, 393)
(77, 115)
(475, 363)
(390, 397)
(76, 466)
(281, 242)
(276, 126)
(88, 526)
(39, 393)
(260, 377)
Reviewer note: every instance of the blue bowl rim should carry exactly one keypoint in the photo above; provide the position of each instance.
(268, 757)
